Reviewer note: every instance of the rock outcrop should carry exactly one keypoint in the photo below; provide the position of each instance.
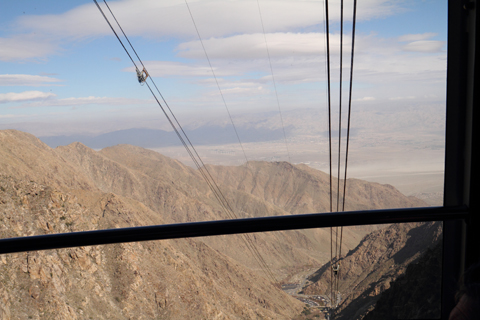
(176, 279)
(380, 258)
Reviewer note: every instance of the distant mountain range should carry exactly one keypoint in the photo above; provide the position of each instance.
(151, 138)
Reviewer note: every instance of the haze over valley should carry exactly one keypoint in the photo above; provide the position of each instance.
(387, 145)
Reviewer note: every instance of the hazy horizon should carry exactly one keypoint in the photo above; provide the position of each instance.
(75, 78)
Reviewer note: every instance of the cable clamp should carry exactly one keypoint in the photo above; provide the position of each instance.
(142, 76)
(336, 268)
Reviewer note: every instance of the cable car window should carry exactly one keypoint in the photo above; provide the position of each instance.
(290, 277)
(235, 122)
(253, 118)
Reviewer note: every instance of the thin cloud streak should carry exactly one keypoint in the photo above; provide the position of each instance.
(27, 80)
(25, 96)
(178, 69)
(416, 37)
(424, 46)
(26, 47)
(68, 102)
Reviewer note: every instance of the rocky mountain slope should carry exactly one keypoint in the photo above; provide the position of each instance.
(416, 294)
(367, 271)
(75, 188)
(178, 279)
(301, 189)
(179, 194)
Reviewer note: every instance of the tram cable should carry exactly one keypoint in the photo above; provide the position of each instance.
(339, 141)
(274, 82)
(216, 81)
(247, 237)
(327, 34)
(201, 167)
(193, 154)
(349, 113)
(335, 259)
(204, 170)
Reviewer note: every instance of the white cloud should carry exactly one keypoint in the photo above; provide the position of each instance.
(402, 98)
(382, 59)
(232, 34)
(67, 102)
(366, 99)
(80, 22)
(295, 57)
(8, 116)
(25, 47)
(214, 18)
(26, 80)
(300, 58)
(416, 37)
(241, 91)
(169, 68)
(25, 96)
(398, 67)
(424, 46)
(252, 46)
(40, 35)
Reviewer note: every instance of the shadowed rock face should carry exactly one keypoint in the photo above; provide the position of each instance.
(416, 294)
(75, 188)
(368, 270)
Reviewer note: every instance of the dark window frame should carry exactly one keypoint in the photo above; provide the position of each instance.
(460, 191)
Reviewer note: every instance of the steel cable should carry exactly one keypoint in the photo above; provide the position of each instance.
(194, 155)
(349, 112)
(274, 82)
(216, 81)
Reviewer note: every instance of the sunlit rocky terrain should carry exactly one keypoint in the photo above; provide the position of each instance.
(75, 188)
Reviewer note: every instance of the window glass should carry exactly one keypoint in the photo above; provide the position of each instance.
(251, 89)
(390, 268)
(247, 81)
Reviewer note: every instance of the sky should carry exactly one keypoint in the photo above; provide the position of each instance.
(62, 71)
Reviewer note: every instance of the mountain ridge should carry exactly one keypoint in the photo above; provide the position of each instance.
(178, 194)
(124, 186)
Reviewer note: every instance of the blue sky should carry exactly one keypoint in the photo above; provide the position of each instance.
(62, 71)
